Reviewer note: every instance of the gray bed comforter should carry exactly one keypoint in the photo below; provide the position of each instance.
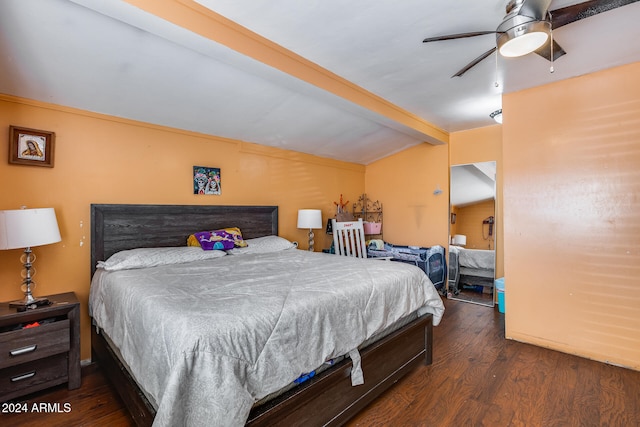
(475, 258)
(206, 339)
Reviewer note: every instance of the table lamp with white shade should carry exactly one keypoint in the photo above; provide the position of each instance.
(310, 218)
(459, 240)
(26, 228)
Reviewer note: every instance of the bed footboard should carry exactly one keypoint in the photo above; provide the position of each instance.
(330, 399)
(327, 399)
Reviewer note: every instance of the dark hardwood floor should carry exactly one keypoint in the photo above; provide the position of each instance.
(477, 379)
(93, 404)
(471, 295)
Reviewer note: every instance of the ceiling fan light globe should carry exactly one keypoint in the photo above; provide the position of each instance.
(497, 116)
(524, 44)
(523, 38)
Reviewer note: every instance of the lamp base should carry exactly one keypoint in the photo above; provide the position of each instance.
(24, 304)
(311, 242)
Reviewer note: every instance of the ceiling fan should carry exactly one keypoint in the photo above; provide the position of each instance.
(528, 25)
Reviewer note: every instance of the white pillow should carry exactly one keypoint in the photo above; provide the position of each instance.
(150, 257)
(263, 245)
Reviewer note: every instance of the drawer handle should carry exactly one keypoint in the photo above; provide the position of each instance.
(23, 376)
(23, 350)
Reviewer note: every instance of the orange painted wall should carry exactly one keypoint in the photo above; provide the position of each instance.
(571, 215)
(483, 145)
(405, 183)
(100, 159)
(469, 221)
(453, 228)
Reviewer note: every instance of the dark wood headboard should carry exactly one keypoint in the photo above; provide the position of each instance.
(119, 227)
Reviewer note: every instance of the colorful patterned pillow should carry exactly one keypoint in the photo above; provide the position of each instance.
(223, 239)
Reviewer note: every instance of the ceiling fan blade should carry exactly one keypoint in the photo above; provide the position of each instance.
(567, 15)
(457, 36)
(545, 51)
(474, 63)
(536, 9)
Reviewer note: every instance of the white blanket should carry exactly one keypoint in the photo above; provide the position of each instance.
(206, 339)
(475, 258)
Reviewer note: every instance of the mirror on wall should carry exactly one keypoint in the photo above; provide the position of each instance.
(472, 260)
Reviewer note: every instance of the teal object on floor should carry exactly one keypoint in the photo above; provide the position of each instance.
(500, 289)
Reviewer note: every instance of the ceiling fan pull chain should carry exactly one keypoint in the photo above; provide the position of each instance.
(551, 69)
(496, 82)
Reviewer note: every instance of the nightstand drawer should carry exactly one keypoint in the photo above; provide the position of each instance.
(32, 376)
(29, 344)
(38, 357)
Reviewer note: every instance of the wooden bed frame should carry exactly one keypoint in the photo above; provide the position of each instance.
(326, 399)
(461, 279)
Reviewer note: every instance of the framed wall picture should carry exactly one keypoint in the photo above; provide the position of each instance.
(206, 180)
(453, 218)
(31, 147)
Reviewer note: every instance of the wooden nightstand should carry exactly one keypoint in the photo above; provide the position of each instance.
(39, 357)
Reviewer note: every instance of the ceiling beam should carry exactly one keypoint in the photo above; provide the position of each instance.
(194, 17)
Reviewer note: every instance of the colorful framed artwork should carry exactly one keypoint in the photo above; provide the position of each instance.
(206, 180)
(31, 147)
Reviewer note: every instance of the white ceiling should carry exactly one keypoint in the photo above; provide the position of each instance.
(114, 58)
(472, 183)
